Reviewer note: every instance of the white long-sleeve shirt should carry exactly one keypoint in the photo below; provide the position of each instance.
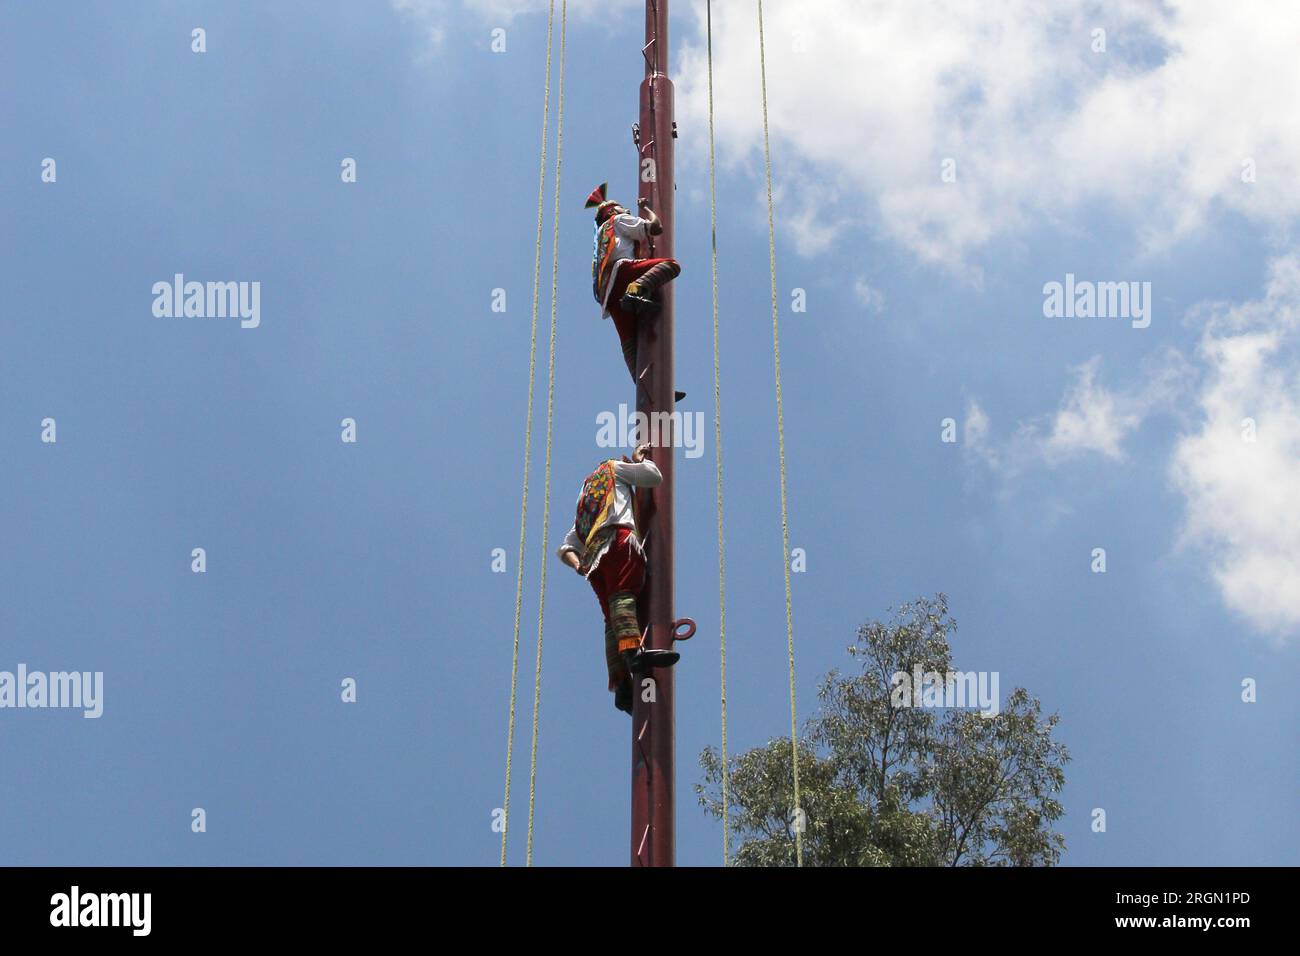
(627, 476)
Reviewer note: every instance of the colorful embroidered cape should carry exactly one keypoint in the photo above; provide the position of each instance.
(595, 502)
(595, 509)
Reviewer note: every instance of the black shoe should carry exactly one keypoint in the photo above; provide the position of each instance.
(639, 304)
(641, 660)
(623, 696)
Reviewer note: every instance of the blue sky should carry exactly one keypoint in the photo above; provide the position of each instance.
(373, 560)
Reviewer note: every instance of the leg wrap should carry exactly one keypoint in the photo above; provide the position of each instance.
(656, 276)
(622, 618)
(613, 661)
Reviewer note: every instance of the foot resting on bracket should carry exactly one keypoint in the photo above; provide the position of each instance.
(639, 295)
(639, 304)
(639, 660)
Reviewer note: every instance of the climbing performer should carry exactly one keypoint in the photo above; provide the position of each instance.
(603, 547)
(623, 284)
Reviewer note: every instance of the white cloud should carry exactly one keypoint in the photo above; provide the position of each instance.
(868, 98)
(1038, 124)
(1243, 497)
(869, 296)
(428, 16)
(976, 434)
(1092, 419)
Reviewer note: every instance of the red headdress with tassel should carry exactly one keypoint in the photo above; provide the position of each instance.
(601, 204)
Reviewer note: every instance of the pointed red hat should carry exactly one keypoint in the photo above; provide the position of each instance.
(598, 200)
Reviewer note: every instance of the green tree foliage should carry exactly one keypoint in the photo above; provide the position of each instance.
(884, 785)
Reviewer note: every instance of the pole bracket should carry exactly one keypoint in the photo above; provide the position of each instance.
(687, 623)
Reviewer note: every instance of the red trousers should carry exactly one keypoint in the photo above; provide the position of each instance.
(617, 579)
(622, 568)
(625, 322)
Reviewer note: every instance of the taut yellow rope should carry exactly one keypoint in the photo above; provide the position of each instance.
(550, 418)
(780, 437)
(717, 436)
(528, 433)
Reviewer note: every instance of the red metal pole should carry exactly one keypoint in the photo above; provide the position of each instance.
(653, 723)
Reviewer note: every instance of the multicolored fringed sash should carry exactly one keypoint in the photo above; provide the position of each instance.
(602, 258)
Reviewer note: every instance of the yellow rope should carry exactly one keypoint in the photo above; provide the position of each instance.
(717, 437)
(550, 418)
(528, 433)
(780, 435)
